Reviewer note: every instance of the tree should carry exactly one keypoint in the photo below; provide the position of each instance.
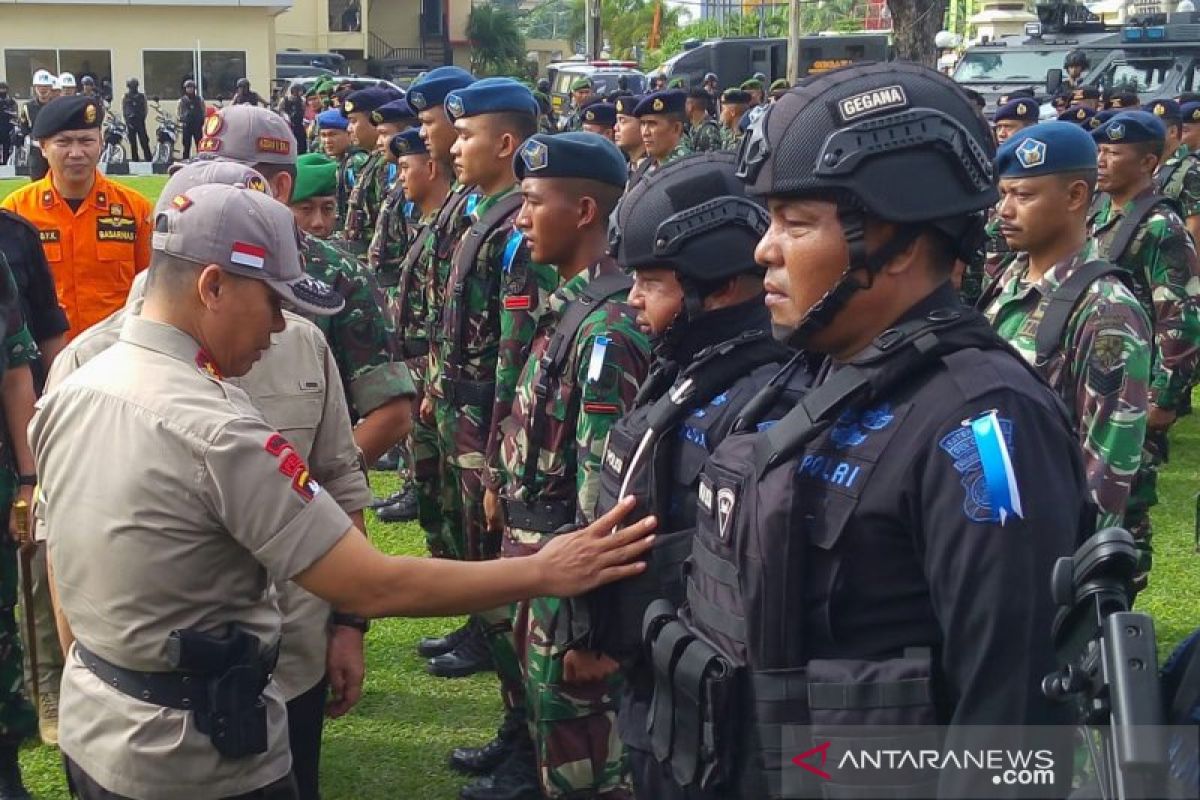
(497, 46)
(914, 24)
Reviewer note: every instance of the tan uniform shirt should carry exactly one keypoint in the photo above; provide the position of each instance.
(297, 387)
(168, 503)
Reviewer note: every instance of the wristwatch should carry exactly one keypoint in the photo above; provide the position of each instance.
(350, 621)
(28, 480)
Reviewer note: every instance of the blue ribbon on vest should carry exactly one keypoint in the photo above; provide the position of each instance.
(1003, 495)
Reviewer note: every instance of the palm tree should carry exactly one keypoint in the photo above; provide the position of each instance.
(497, 46)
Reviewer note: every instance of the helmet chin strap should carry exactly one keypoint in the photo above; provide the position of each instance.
(823, 312)
(693, 308)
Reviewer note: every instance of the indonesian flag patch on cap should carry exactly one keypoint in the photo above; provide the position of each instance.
(248, 255)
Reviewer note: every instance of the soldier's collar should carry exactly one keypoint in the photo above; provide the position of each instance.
(160, 337)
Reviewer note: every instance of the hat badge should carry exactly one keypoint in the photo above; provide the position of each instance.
(402, 146)
(1021, 109)
(212, 125)
(590, 115)
(376, 117)
(1116, 132)
(1159, 110)
(89, 114)
(454, 105)
(657, 105)
(416, 100)
(1031, 153)
(535, 154)
(1081, 114)
(349, 106)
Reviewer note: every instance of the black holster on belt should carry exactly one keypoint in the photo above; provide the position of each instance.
(235, 674)
(542, 516)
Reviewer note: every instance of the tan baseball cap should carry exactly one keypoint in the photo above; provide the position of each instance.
(198, 173)
(249, 135)
(246, 233)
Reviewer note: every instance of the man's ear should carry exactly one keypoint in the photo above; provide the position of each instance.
(209, 285)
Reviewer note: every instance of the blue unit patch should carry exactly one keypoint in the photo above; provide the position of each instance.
(982, 459)
(854, 426)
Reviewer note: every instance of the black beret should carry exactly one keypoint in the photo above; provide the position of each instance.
(75, 112)
(577, 154)
(626, 104)
(600, 114)
(666, 102)
(737, 97)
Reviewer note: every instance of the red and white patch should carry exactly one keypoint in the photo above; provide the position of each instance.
(248, 255)
(291, 465)
(518, 302)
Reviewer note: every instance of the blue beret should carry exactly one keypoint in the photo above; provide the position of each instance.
(1046, 149)
(1104, 116)
(407, 143)
(332, 118)
(669, 102)
(393, 111)
(600, 114)
(578, 154)
(366, 100)
(1079, 115)
(1022, 109)
(67, 113)
(1167, 110)
(1131, 127)
(1190, 112)
(626, 104)
(490, 96)
(430, 90)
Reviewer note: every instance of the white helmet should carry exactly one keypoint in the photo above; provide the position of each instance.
(43, 78)
(54, 84)
(66, 80)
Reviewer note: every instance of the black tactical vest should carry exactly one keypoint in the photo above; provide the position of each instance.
(732, 671)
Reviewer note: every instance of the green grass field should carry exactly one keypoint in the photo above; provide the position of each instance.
(394, 744)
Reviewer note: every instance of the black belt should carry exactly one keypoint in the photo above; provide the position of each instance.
(410, 348)
(459, 392)
(546, 516)
(186, 691)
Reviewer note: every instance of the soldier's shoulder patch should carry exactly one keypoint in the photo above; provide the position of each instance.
(292, 466)
(1106, 363)
(981, 450)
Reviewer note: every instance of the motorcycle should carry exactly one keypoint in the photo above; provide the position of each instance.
(18, 140)
(115, 130)
(168, 131)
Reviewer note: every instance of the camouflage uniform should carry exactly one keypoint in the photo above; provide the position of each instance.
(361, 335)
(704, 137)
(366, 201)
(18, 719)
(731, 138)
(1163, 265)
(573, 726)
(647, 166)
(350, 167)
(1183, 183)
(391, 239)
(1101, 369)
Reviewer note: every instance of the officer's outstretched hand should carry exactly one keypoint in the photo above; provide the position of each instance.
(574, 563)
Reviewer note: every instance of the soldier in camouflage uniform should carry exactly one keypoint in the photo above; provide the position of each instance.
(661, 115)
(703, 132)
(582, 372)
(1161, 260)
(336, 143)
(1178, 177)
(362, 335)
(367, 196)
(734, 103)
(18, 719)
(395, 226)
(1100, 365)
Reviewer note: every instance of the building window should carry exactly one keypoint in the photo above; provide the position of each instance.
(19, 66)
(94, 63)
(165, 71)
(221, 70)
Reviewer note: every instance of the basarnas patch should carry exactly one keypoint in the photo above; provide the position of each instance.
(981, 449)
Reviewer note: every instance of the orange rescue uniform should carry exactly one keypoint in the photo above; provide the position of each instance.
(95, 251)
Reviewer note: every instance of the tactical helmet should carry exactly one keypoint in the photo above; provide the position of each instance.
(865, 137)
(710, 77)
(543, 85)
(132, 83)
(1076, 58)
(66, 80)
(87, 80)
(243, 83)
(692, 216)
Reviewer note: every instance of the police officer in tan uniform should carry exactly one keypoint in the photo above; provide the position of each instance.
(170, 504)
(299, 391)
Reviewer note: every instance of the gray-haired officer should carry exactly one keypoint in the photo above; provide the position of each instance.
(163, 488)
(881, 554)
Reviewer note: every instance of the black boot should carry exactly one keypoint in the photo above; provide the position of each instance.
(389, 461)
(403, 509)
(11, 786)
(432, 646)
(482, 760)
(380, 502)
(515, 779)
(470, 656)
